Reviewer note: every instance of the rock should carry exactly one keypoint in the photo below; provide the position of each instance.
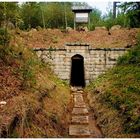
(86, 29)
(39, 53)
(81, 28)
(33, 30)
(38, 28)
(69, 29)
(101, 28)
(115, 27)
(49, 29)
(128, 46)
(73, 89)
(2, 103)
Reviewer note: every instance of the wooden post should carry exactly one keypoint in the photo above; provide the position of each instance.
(114, 9)
(74, 21)
(89, 21)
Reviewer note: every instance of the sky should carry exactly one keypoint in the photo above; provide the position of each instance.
(101, 5)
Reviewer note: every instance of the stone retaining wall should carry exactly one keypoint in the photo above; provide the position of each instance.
(96, 60)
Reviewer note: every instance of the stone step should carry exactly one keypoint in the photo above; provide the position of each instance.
(79, 101)
(76, 93)
(79, 111)
(80, 91)
(78, 98)
(80, 120)
(80, 105)
(79, 130)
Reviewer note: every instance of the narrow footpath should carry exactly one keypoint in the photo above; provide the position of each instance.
(82, 119)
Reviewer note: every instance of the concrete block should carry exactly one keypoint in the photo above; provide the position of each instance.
(80, 119)
(79, 130)
(79, 111)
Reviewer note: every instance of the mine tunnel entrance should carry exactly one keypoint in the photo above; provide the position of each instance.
(77, 71)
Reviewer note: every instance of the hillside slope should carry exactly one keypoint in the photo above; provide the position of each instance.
(33, 102)
(115, 97)
(55, 38)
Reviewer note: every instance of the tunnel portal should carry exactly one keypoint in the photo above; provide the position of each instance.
(79, 63)
(77, 71)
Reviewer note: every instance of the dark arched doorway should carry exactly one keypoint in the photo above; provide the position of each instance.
(77, 71)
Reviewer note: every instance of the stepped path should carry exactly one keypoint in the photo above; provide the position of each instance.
(82, 119)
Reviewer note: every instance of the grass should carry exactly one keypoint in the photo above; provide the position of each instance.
(42, 98)
(119, 90)
(4, 37)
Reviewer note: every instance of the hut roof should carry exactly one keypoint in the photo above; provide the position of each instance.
(82, 8)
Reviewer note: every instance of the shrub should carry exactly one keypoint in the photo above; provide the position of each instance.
(133, 56)
(4, 37)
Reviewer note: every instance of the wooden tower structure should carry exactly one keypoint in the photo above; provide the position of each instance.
(81, 14)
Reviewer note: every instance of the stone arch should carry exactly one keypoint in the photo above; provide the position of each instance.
(77, 77)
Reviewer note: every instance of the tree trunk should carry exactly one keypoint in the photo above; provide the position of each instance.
(114, 9)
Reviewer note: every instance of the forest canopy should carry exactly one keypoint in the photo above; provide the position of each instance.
(59, 15)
